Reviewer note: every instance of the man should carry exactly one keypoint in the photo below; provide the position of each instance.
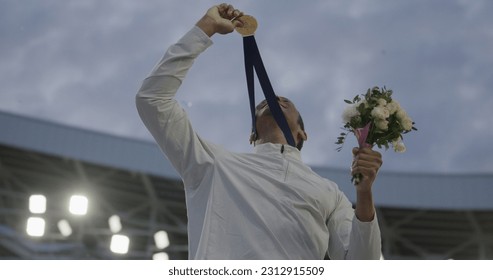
(263, 205)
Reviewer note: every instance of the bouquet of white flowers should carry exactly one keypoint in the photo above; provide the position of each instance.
(375, 119)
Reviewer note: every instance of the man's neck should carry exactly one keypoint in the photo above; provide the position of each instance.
(273, 138)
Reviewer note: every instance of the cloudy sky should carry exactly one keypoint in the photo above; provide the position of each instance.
(81, 63)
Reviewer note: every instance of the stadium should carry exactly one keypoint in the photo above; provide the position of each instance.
(70, 193)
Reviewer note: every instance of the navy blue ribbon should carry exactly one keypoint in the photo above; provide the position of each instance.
(254, 60)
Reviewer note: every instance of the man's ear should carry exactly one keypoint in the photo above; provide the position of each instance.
(301, 137)
(305, 135)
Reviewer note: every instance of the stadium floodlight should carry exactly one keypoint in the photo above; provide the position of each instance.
(64, 228)
(37, 204)
(115, 224)
(119, 244)
(161, 239)
(35, 226)
(78, 205)
(160, 256)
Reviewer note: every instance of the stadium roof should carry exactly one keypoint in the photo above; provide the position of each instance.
(86, 145)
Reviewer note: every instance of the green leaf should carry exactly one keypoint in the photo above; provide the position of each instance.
(348, 101)
(356, 99)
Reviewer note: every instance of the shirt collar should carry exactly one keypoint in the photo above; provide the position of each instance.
(269, 148)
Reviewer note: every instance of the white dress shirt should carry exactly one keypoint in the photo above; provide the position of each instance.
(262, 205)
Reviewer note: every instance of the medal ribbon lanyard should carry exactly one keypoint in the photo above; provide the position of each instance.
(254, 60)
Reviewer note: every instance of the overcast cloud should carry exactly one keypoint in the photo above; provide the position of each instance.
(81, 63)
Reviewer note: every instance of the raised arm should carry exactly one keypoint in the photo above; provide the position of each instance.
(366, 162)
(156, 104)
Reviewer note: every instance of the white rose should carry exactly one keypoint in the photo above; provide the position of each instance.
(393, 106)
(350, 112)
(380, 113)
(383, 125)
(401, 115)
(399, 146)
(382, 102)
(407, 124)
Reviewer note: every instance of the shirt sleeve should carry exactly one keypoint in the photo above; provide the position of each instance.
(165, 118)
(351, 238)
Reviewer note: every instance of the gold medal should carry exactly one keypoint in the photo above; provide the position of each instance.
(249, 25)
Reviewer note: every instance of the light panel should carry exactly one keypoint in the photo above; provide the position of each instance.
(37, 204)
(161, 239)
(160, 256)
(35, 226)
(78, 205)
(64, 228)
(119, 244)
(115, 224)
